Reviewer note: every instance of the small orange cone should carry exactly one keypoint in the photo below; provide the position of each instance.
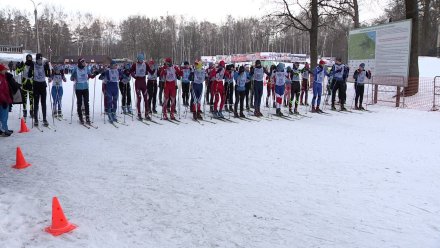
(60, 224)
(23, 127)
(20, 161)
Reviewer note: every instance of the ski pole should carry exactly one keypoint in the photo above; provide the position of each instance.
(73, 96)
(51, 105)
(93, 108)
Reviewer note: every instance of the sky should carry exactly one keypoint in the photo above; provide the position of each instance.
(213, 11)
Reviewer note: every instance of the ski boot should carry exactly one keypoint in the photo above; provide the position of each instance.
(236, 115)
(242, 115)
(124, 110)
(333, 106)
(343, 108)
(318, 110)
(60, 114)
(154, 111)
(81, 120)
(194, 115)
(45, 123)
(24, 113)
(55, 114)
(172, 117)
(220, 114)
(314, 109)
(295, 111)
(113, 115)
(88, 120)
(199, 116)
(164, 116)
(361, 108)
(147, 117)
(290, 111)
(215, 114)
(139, 117)
(109, 115)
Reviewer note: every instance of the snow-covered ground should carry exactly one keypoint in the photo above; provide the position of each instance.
(339, 180)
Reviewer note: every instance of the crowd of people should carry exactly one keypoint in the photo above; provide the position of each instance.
(227, 88)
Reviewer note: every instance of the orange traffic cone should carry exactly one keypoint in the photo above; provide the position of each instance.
(20, 161)
(23, 127)
(60, 224)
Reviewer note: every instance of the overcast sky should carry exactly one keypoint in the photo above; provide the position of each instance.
(214, 11)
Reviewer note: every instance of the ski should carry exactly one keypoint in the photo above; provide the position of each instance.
(155, 122)
(143, 121)
(125, 124)
(284, 117)
(39, 129)
(228, 120)
(113, 124)
(50, 127)
(195, 120)
(84, 125)
(91, 125)
(179, 121)
(212, 122)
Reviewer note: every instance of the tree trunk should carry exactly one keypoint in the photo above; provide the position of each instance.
(426, 32)
(412, 12)
(356, 14)
(314, 34)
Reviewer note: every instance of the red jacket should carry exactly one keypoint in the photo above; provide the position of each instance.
(163, 72)
(213, 74)
(5, 94)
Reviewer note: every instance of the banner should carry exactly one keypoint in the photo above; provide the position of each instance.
(385, 51)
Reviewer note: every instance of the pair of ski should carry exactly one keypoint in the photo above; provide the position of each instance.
(285, 117)
(147, 121)
(48, 127)
(88, 126)
(224, 119)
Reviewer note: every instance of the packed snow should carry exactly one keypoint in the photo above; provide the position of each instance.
(367, 179)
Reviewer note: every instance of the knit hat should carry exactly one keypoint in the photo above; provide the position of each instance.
(362, 65)
(322, 62)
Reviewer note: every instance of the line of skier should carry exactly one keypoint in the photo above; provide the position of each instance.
(284, 85)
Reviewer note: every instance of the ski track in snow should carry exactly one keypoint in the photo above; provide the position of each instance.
(345, 180)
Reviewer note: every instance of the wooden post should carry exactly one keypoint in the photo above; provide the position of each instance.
(398, 97)
(376, 89)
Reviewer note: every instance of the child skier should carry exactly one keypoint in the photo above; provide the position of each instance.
(81, 75)
(241, 77)
(110, 78)
(57, 78)
(288, 89)
(38, 72)
(124, 87)
(305, 84)
(217, 89)
(198, 77)
(186, 70)
(152, 86)
(270, 86)
(139, 73)
(27, 86)
(296, 88)
(318, 78)
(171, 73)
(258, 74)
(340, 73)
(359, 79)
(280, 80)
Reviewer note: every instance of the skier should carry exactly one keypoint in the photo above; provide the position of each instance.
(359, 79)
(288, 89)
(241, 77)
(152, 86)
(110, 78)
(280, 80)
(340, 73)
(5, 100)
(198, 77)
(208, 83)
(161, 84)
(81, 75)
(229, 87)
(171, 73)
(296, 88)
(57, 78)
(186, 70)
(305, 84)
(217, 89)
(258, 74)
(125, 89)
(139, 73)
(318, 78)
(248, 87)
(270, 88)
(27, 86)
(38, 72)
